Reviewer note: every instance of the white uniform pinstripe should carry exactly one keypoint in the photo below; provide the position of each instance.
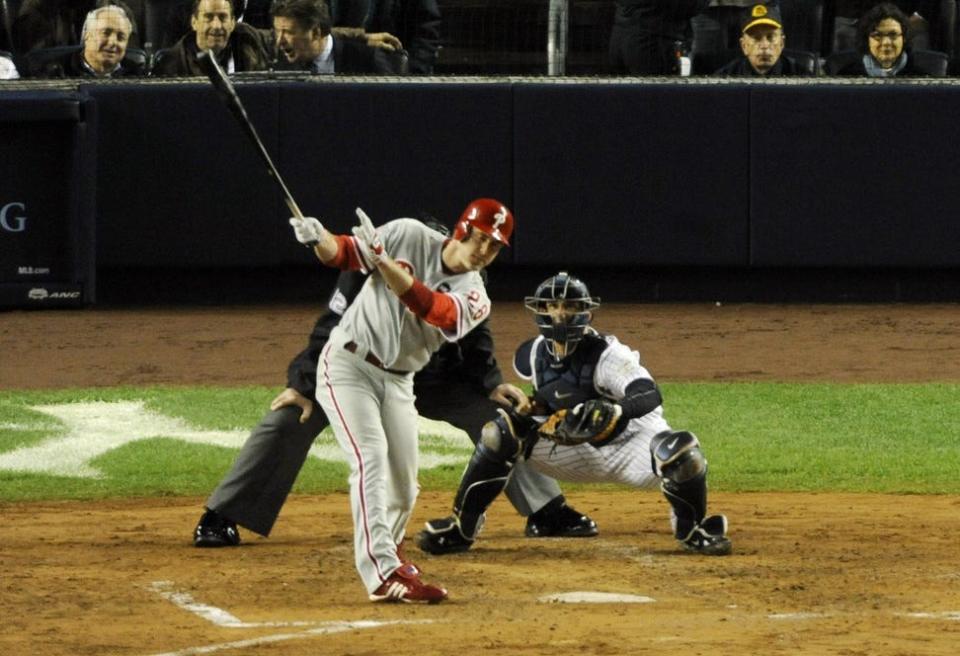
(626, 459)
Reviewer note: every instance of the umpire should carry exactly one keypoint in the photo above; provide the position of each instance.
(456, 386)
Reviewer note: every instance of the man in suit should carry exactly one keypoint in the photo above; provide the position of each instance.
(304, 41)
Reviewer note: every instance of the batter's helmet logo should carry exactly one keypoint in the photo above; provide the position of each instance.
(489, 216)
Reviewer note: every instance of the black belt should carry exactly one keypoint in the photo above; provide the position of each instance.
(374, 360)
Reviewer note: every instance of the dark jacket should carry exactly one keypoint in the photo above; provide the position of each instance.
(49, 23)
(252, 50)
(417, 24)
(855, 68)
(740, 67)
(69, 63)
(664, 9)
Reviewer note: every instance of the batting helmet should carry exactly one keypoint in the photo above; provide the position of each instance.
(489, 216)
(562, 307)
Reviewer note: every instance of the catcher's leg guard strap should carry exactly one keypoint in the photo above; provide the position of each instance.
(682, 469)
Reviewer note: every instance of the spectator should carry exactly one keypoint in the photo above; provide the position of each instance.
(762, 42)
(237, 46)
(883, 45)
(303, 40)
(848, 12)
(179, 12)
(51, 23)
(104, 37)
(416, 23)
(645, 35)
(716, 28)
(7, 69)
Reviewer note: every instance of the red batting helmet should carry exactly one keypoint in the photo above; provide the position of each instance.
(489, 216)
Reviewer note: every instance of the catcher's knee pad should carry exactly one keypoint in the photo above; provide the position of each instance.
(677, 456)
(502, 438)
(682, 468)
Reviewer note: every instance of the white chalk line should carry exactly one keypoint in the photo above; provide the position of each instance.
(225, 619)
(212, 614)
(330, 627)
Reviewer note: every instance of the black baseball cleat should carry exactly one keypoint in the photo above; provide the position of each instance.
(215, 530)
(443, 536)
(709, 537)
(558, 520)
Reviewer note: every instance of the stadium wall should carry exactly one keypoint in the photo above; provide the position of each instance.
(691, 187)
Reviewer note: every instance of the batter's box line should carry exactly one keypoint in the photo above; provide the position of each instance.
(225, 619)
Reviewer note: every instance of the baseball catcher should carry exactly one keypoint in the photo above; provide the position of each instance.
(597, 417)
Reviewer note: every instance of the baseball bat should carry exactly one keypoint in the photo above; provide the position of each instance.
(226, 93)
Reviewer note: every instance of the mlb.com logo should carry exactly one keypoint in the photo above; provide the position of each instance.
(42, 294)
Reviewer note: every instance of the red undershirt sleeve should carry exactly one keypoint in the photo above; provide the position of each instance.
(347, 257)
(435, 308)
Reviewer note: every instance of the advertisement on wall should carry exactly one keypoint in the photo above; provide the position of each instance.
(45, 243)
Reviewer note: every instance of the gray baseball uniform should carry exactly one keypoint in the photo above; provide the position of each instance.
(365, 387)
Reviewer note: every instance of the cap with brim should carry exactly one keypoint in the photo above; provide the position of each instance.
(762, 15)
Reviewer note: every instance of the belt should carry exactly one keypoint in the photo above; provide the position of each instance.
(374, 360)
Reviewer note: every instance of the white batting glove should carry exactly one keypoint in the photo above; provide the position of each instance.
(307, 230)
(368, 240)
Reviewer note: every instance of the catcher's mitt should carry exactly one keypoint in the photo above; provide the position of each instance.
(590, 421)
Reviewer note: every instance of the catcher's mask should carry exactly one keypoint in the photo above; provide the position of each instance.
(562, 306)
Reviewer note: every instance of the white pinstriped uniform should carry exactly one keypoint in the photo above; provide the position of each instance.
(371, 411)
(626, 459)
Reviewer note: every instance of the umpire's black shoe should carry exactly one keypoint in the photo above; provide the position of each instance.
(443, 536)
(215, 530)
(558, 520)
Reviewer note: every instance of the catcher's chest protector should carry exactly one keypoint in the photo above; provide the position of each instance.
(573, 382)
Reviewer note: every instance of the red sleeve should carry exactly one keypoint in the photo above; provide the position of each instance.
(348, 256)
(436, 308)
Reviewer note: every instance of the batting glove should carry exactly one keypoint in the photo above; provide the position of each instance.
(368, 240)
(307, 230)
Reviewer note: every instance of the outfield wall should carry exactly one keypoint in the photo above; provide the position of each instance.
(627, 174)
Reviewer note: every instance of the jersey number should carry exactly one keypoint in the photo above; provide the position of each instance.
(477, 310)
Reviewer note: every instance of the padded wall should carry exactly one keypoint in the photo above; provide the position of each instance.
(631, 175)
(855, 176)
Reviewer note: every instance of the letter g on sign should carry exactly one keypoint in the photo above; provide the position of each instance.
(11, 220)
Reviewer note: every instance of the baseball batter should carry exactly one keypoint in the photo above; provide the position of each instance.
(598, 418)
(425, 291)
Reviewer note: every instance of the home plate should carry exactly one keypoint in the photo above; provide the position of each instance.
(595, 598)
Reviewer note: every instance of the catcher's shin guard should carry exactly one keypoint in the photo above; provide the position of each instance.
(488, 470)
(682, 469)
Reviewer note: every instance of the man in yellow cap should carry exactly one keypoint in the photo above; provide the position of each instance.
(762, 42)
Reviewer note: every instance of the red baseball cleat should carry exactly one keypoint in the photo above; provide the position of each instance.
(404, 585)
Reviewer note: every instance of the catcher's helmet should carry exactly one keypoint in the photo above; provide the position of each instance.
(562, 305)
(489, 216)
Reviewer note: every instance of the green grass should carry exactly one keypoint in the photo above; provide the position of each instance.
(757, 437)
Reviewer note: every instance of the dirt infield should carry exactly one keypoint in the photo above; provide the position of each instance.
(811, 573)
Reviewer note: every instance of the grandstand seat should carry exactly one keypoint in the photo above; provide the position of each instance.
(930, 62)
(803, 24)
